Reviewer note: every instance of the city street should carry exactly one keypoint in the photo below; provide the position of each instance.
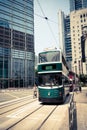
(19, 110)
(43, 65)
(10, 94)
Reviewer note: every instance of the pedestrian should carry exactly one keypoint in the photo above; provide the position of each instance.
(35, 91)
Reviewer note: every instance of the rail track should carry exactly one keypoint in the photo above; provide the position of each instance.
(10, 106)
(26, 113)
(28, 118)
(29, 114)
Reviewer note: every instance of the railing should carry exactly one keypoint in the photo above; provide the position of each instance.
(71, 112)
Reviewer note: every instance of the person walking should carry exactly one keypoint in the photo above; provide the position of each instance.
(35, 91)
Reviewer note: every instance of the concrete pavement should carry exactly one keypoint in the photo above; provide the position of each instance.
(80, 112)
(80, 98)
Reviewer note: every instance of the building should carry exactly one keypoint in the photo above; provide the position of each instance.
(65, 37)
(77, 4)
(16, 43)
(61, 31)
(68, 49)
(78, 20)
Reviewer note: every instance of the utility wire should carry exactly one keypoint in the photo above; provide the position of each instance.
(41, 8)
(46, 18)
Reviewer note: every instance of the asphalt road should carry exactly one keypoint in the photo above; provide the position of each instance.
(18, 110)
(6, 95)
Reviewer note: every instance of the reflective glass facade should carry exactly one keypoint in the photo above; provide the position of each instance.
(16, 43)
(68, 49)
(77, 4)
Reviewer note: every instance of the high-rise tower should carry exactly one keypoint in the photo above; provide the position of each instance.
(77, 4)
(78, 22)
(16, 43)
(61, 31)
(68, 48)
(64, 36)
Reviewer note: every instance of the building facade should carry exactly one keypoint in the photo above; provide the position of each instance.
(16, 43)
(65, 37)
(78, 20)
(68, 49)
(77, 4)
(61, 31)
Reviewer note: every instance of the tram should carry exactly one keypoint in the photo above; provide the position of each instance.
(53, 81)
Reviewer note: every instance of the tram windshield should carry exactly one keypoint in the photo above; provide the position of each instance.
(50, 79)
(49, 56)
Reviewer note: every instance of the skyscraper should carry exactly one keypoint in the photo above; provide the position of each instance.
(68, 48)
(61, 31)
(78, 20)
(16, 43)
(64, 36)
(77, 4)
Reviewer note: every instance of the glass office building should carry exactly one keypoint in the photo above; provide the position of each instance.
(77, 4)
(16, 43)
(68, 49)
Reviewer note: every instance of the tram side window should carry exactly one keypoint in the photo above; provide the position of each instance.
(60, 80)
(40, 80)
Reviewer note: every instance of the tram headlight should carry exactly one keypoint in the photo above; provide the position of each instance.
(48, 93)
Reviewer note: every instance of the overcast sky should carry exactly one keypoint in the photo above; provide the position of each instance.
(46, 31)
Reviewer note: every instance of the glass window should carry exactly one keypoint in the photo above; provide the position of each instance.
(30, 68)
(50, 79)
(18, 68)
(49, 56)
(1, 67)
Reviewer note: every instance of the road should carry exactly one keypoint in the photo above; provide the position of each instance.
(20, 111)
(10, 94)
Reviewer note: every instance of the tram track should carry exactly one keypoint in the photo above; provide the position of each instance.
(8, 126)
(46, 118)
(29, 115)
(15, 105)
(23, 118)
(34, 116)
(17, 124)
(4, 104)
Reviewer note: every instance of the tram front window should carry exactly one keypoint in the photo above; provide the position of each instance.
(50, 80)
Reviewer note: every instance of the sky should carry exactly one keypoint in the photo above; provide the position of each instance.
(46, 31)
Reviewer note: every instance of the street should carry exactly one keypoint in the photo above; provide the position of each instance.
(19, 110)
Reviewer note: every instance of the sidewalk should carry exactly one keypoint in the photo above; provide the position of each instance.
(81, 110)
(79, 114)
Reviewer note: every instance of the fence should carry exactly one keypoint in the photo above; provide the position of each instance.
(72, 111)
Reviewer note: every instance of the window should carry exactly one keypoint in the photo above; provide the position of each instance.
(83, 15)
(84, 20)
(80, 16)
(81, 20)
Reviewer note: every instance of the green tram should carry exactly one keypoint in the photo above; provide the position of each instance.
(53, 82)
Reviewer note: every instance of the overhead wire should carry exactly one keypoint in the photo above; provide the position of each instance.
(46, 18)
